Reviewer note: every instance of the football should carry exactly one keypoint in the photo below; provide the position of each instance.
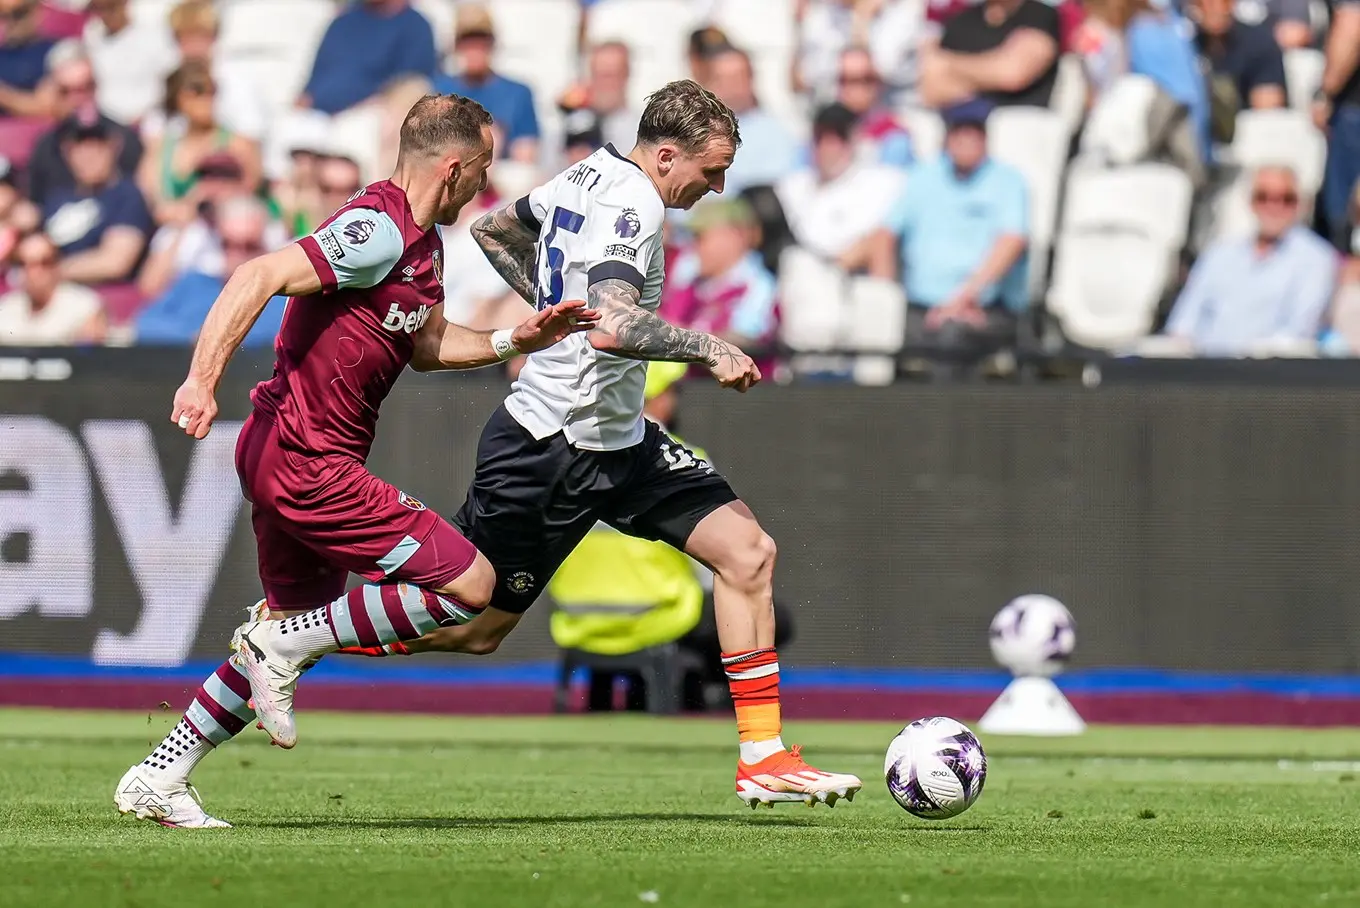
(1033, 635)
(935, 768)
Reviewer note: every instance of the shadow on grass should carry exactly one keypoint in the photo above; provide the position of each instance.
(539, 820)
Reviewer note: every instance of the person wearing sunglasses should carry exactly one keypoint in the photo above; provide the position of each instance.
(23, 52)
(1264, 293)
(176, 316)
(168, 174)
(76, 91)
(44, 310)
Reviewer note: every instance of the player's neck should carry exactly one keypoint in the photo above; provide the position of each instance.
(644, 162)
(422, 194)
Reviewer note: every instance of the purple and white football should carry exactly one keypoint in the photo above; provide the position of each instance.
(1033, 635)
(935, 768)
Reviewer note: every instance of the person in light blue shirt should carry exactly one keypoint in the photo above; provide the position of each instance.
(510, 103)
(176, 317)
(366, 47)
(1160, 47)
(962, 227)
(767, 151)
(1260, 293)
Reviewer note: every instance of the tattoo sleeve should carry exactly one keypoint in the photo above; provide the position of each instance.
(509, 244)
(626, 329)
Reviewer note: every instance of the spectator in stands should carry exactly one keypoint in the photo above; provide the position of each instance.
(1245, 64)
(581, 132)
(45, 310)
(101, 225)
(1122, 37)
(878, 135)
(196, 244)
(1290, 21)
(767, 150)
(365, 47)
(1336, 109)
(705, 44)
(962, 225)
(168, 175)
(892, 32)
(131, 58)
(835, 206)
(239, 105)
(474, 293)
(1260, 293)
(75, 94)
(18, 216)
(175, 318)
(1003, 50)
(23, 56)
(721, 285)
(610, 68)
(338, 178)
(510, 103)
(1346, 307)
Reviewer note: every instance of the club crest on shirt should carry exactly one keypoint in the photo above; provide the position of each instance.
(628, 224)
(519, 582)
(407, 501)
(437, 259)
(360, 231)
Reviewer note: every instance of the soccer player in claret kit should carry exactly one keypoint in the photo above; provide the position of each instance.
(367, 300)
(570, 446)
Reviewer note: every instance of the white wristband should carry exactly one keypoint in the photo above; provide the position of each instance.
(503, 344)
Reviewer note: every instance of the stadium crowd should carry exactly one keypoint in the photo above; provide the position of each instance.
(1168, 177)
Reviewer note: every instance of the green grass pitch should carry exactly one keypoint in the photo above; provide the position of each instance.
(410, 811)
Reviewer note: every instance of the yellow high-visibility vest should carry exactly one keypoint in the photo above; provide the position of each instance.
(616, 594)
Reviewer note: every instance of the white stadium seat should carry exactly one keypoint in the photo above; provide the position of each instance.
(1303, 75)
(1117, 128)
(1069, 93)
(655, 30)
(1281, 137)
(278, 41)
(1106, 287)
(441, 14)
(757, 24)
(1151, 199)
(814, 307)
(536, 44)
(1035, 142)
(926, 130)
(877, 316)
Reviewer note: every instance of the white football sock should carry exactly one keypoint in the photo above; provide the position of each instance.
(176, 756)
(755, 751)
(305, 637)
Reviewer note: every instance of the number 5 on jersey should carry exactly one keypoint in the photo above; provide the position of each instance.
(550, 280)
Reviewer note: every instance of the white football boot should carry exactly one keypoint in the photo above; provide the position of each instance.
(273, 679)
(148, 797)
(783, 777)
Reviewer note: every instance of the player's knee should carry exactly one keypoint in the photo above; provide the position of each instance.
(750, 562)
(474, 586)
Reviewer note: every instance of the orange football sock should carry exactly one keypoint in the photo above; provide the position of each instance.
(387, 649)
(753, 677)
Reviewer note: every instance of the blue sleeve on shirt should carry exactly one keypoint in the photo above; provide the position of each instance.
(1315, 288)
(902, 216)
(1193, 301)
(361, 246)
(264, 331)
(753, 314)
(178, 314)
(524, 122)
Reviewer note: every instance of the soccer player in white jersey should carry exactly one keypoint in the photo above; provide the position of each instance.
(570, 446)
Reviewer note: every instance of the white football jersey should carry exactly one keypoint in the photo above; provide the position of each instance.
(600, 219)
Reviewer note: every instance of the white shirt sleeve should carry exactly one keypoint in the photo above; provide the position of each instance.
(624, 233)
(358, 249)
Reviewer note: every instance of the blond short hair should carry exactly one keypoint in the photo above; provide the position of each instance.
(686, 113)
(194, 16)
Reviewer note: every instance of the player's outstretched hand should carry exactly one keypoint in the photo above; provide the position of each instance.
(195, 408)
(549, 325)
(731, 367)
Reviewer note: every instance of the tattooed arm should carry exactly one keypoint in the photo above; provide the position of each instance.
(509, 244)
(626, 329)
